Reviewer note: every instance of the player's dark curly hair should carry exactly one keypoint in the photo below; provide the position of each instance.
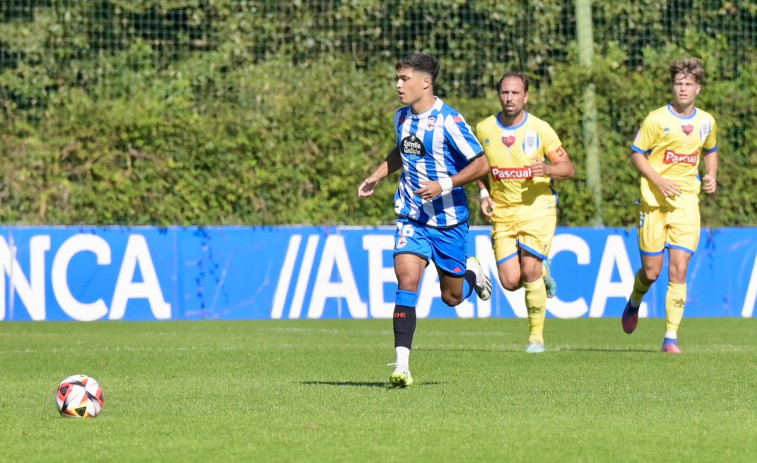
(421, 63)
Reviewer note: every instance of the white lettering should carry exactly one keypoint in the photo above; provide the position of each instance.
(579, 247)
(465, 309)
(671, 157)
(285, 277)
(485, 255)
(335, 253)
(751, 293)
(504, 173)
(136, 254)
(31, 292)
(412, 146)
(302, 280)
(614, 256)
(379, 275)
(59, 275)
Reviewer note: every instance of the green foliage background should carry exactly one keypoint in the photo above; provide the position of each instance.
(260, 112)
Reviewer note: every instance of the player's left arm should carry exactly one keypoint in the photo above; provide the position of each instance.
(462, 140)
(473, 171)
(710, 159)
(561, 167)
(478, 168)
(709, 181)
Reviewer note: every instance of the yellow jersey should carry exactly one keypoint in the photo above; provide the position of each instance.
(510, 151)
(674, 145)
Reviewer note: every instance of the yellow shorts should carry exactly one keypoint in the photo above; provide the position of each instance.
(677, 228)
(525, 228)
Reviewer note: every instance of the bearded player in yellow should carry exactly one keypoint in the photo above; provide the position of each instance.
(522, 205)
(666, 151)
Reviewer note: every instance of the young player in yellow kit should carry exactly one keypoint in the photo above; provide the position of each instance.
(522, 205)
(667, 151)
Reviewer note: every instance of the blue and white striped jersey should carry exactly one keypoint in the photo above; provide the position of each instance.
(433, 145)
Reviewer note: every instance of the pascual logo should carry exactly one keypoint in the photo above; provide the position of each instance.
(511, 173)
(412, 146)
(672, 157)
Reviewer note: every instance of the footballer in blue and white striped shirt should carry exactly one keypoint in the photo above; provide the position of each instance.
(438, 154)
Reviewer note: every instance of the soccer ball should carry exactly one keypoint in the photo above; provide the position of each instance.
(79, 396)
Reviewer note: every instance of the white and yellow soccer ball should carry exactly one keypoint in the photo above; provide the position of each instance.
(79, 396)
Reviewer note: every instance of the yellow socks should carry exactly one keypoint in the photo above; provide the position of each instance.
(639, 290)
(675, 301)
(536, 303)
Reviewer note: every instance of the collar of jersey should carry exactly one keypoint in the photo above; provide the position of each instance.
(511, 127)
(437, 106)
(670, 108)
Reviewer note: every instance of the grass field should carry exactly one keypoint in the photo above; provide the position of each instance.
(316, 391)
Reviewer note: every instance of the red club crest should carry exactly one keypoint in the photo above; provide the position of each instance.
(508, 140)
(687, 128)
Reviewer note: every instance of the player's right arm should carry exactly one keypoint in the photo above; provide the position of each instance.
(487, 203)
(391, 163)
(668, 187)
(646, 138)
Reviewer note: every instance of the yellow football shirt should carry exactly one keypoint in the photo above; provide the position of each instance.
(510, 151)
(674, 146)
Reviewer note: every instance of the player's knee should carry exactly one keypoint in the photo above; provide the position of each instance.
(678, 272)
(510, 284)
(409, 283)
(650, 275)
(452, 298)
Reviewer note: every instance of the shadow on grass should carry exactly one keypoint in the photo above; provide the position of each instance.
(467, 349)
(382, 385)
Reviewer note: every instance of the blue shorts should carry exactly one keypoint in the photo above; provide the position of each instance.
(446, 247)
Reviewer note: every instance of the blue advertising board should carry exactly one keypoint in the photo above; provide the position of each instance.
(193, 273)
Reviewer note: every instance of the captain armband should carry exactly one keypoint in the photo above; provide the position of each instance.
(557, 154)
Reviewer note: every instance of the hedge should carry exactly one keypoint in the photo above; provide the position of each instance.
(230, 116)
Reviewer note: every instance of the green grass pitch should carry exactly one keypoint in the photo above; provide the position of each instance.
(300, 390)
